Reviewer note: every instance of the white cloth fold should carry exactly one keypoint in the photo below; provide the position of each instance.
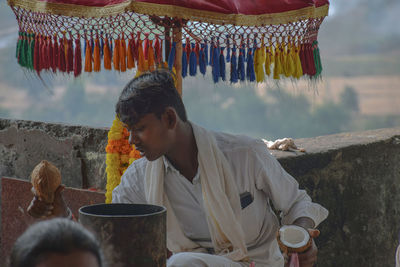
(220, 195)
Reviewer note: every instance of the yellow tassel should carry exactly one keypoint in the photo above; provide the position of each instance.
(277, 64)
(122, 54)
(283, 56)
(116, 60)
(138, 73)
(267, 61)
(297, 63)
(259, 59)
(151, 56)
(88, 57)
(289, 62)
(96, 56)
(107, 56)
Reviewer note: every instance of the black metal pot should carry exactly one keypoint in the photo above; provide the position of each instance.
(131, 234)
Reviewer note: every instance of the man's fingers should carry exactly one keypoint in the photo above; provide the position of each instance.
(59, 189)
(39, 208)
(314, 232)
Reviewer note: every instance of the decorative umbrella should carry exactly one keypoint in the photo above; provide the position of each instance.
(239, 40)
(257, 38)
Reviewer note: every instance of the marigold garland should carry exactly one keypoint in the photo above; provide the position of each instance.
(120, 154)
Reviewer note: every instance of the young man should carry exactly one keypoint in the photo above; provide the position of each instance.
(218, 188)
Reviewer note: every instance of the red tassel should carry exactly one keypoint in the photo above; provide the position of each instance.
(36, 56)
(129, 54)
(78, 57)
(70, 56)
(96, 55)
(50, 53)
(136, 54)
(188, 49)
(54, 60)
(107, 55)
(122, 53)
(61, 56)
(304, 64)
(151, 56)
(116, 61)
(310, 60)
(146, 46)
(42, 53)
(157, 51)
(88, 57)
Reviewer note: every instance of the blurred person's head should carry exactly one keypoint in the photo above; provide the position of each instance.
(57, 243)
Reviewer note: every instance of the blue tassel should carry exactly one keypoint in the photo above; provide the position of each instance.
(111, 45)
(171, 56)
(241, 72)
(92, 41)
(205, 52)
(192, 62)
(202, 59)
(84, 48)
(251, 76)
(234, 74)
(184, 61)
(228, 50)
(215, 65)
(222, 64)
(211, 53)
(101, 45)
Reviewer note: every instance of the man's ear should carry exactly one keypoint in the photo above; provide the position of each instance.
(170, 117)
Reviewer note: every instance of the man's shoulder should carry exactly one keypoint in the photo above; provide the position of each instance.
(227, 141)
(138, 167)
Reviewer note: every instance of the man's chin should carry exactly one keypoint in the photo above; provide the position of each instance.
(151, 158)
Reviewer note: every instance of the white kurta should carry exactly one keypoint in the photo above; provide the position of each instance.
(256, 171)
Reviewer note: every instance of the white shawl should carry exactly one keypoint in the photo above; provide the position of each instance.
(220, 195)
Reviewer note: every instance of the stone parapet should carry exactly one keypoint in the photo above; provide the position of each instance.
(356, 176)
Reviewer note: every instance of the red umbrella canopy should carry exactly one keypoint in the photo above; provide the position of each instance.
(259, 38)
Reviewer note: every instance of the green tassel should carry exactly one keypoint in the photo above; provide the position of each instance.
(18, 50)
(317, 59)
(31, 50)
(24, 51)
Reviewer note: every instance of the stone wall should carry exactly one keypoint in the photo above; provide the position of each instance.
(356, 176)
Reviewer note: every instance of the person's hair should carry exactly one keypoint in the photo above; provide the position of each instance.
(53, 236)
(150, 92)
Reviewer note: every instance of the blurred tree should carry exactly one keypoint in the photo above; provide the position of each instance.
(349, 99)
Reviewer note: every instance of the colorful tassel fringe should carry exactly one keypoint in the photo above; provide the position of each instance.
(288, 58)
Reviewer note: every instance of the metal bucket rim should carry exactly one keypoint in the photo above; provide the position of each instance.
(164, 209)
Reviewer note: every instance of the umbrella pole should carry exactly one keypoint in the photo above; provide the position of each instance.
(177, 33)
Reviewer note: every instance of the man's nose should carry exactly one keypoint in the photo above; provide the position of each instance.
(132, 138)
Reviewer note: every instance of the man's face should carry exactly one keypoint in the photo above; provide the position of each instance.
(76, 259)
(150, 136)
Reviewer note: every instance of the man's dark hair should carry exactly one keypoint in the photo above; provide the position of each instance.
(151, 92)
(53, 236)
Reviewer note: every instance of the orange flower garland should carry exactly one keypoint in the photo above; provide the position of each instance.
(120, 154)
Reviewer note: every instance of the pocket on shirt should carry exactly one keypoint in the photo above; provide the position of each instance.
(250, 222)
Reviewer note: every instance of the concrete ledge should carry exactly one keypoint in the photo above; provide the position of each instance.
(356, 176)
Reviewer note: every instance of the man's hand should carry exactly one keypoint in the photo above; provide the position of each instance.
(309, 257)
(40, 209)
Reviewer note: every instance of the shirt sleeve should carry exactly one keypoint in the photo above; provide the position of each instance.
(131, 188)
(283, 190)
